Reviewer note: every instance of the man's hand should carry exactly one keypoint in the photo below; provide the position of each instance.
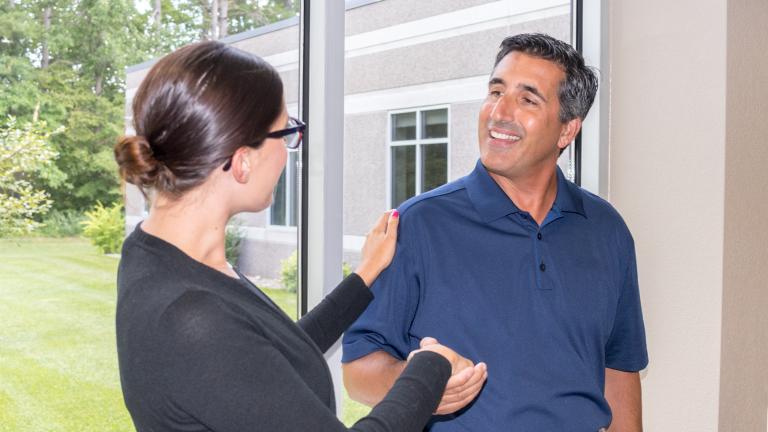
(466, 381)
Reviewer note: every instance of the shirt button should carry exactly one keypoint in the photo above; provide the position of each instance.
(542, 267)
(538, 236)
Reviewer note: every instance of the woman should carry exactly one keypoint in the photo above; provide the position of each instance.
(199, 346)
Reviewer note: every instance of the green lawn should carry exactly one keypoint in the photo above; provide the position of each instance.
(58, 365)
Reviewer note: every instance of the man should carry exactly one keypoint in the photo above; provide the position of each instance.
(515, 266)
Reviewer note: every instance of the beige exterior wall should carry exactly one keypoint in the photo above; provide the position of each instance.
(688, 108)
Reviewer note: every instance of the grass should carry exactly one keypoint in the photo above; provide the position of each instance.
(58, 364)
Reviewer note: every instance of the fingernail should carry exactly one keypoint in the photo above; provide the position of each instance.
(395, 213)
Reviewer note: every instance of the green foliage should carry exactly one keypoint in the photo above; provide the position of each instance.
(25, 155)
(289, 272)
(105, 227)
(62, 223)
(69, 71)
(233, 242)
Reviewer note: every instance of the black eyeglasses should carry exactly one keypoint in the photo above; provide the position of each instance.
(291, 136)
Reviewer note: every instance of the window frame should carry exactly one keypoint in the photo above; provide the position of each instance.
(418, 142)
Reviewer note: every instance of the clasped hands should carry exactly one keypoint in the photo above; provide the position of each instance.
(466, 380)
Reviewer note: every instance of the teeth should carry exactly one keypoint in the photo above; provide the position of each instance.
(499, 135)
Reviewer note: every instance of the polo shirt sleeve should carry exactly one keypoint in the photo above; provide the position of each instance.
(626, 348)
(386, 323)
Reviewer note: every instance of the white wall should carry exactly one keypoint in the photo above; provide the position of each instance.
(667, 147)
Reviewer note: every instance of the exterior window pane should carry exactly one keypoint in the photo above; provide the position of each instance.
(434, 166)
(294, 190)
(434, 124)
(404, 126)
(403, 173)
(277, 211)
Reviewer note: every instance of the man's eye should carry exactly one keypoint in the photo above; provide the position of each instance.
(495, 93)
(529, 101)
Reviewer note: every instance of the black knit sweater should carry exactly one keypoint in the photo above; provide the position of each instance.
(201, 351)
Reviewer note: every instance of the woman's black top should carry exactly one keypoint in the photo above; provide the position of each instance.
(201, 351)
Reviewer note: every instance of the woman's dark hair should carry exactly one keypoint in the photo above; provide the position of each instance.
(193, 110)
(578, 90)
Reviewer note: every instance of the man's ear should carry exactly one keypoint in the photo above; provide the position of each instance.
(241, 165)
(568, 133)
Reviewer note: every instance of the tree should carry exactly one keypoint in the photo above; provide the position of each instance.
(63, 62)
(25, 153)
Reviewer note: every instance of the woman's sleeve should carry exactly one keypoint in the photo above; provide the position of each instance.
(338, 310)
(223, 372)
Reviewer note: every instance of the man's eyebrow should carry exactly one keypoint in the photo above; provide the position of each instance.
(531, 89)
(496, 80)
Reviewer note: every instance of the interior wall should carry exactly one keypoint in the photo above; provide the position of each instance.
(744, 371)
(667, 83)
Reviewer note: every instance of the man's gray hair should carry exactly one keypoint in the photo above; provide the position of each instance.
(578, 90)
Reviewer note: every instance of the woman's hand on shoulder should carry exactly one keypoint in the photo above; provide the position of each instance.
(379, 247)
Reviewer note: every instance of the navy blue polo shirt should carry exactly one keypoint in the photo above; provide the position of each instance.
(547, 307)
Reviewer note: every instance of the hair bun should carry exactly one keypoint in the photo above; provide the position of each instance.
(136, 161)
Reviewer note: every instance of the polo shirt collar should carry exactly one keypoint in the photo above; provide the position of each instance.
(569, 196)
(492, 203)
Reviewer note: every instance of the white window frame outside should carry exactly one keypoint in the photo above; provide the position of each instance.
(417, 142)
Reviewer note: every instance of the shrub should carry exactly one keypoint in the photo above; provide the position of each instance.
(233, 242)
(289, 272)
(62, 223)
(105, 227)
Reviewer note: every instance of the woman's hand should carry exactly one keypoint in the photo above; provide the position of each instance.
(379, 247)
(466, 380)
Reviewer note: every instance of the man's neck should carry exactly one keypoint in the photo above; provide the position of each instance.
(534, 194)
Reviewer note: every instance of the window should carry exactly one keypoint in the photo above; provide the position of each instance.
(418, 152)
(285, 204)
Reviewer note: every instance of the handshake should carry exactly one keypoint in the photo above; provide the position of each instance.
(466, 380)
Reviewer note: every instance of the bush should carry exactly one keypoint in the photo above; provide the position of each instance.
(62, 223)
(233, 242)
(105, 227)
(289, 272)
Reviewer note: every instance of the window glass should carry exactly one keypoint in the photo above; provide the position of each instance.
(434, 166)
(403, 173)
(404, 126)
(277, 211)
(293, 191)
(285, 202)
(416, 75)
(434, 124)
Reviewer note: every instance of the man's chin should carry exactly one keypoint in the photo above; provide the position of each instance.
(493, 162)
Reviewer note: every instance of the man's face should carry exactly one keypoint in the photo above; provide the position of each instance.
(519, 126)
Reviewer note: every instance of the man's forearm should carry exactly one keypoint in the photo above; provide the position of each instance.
(623, 393)
(369, 378)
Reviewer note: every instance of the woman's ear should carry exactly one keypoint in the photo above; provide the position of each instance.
(241, 165)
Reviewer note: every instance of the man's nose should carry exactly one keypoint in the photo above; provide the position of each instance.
(503, 109)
